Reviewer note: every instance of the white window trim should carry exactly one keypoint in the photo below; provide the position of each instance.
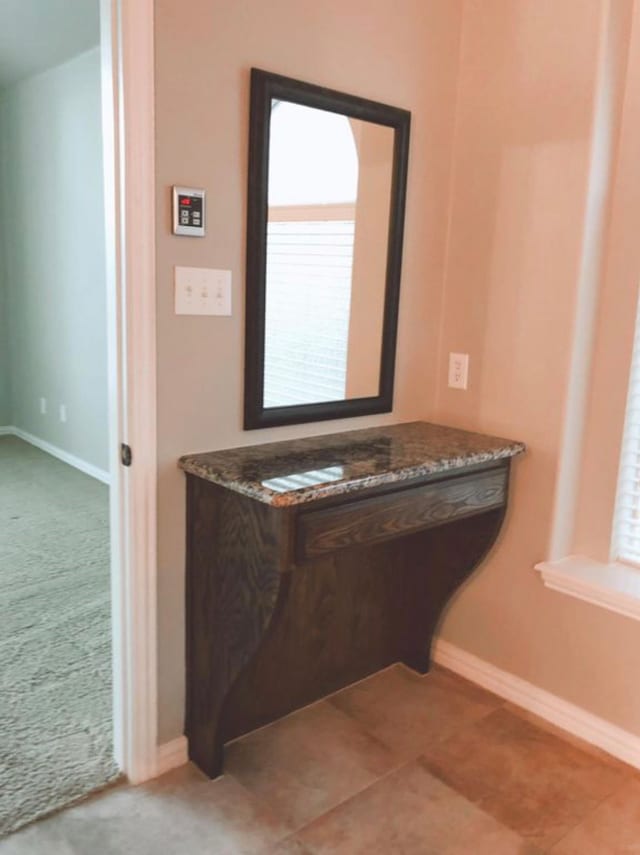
(610, 584)
(614, 586)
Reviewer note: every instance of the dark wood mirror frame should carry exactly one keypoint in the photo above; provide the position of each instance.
(264, 88)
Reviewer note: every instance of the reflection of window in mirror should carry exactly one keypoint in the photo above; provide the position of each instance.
(313, 185)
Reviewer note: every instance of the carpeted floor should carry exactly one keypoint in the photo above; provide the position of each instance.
(55, 636)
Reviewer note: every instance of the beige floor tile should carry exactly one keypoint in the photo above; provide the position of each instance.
(527, 778)
(305, 764)
(612, 829)
(493, 780)
(182, 812)
(624, 768)
(411, 812)
(290, 846)
(181, 780)
(37, 839)
(409, 712)
(48, 836)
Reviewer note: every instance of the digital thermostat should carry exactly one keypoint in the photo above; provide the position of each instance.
(188, 211)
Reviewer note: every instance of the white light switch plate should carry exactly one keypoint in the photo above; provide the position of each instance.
(202, 291)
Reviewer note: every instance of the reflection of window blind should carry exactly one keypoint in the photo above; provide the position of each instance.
(627, 518)
(309, 265)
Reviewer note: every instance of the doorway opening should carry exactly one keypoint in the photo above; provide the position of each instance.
(77, 529)
(126, 98)
(56, 714)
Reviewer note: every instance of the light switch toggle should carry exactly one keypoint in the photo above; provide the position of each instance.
(202, 291)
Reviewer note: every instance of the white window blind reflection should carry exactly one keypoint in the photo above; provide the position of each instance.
(307, 312)
(313, 184)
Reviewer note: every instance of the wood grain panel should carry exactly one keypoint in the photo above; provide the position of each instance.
(235, 549)
(267, 635)
(350, 614)
(397, 514)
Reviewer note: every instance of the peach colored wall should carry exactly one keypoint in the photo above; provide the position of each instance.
(403, 52)
(522, 162)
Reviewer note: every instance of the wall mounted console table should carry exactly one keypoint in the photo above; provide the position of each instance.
(316, 562)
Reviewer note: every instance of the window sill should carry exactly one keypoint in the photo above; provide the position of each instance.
(612, 586)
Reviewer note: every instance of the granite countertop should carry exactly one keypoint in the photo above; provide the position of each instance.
(302, 470)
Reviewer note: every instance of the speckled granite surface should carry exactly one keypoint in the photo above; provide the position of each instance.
(303, 470)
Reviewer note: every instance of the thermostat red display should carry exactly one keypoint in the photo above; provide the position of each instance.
(188, 211)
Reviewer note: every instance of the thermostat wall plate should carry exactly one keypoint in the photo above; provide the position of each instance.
(188, 211)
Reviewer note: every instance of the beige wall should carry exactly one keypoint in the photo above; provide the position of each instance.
(403, 52)
(528, 81)
(494, 266)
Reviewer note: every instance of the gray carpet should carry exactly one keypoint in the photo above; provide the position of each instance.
(55, 638)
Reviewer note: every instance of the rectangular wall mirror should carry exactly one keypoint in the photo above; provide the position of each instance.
(327, 185)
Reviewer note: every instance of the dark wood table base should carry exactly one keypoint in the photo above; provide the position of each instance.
(287, 605)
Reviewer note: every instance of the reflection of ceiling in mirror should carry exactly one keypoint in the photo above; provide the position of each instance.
(313, 158)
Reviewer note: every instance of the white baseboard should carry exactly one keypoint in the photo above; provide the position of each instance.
(54, 451)
(171, 755)
(575, 720)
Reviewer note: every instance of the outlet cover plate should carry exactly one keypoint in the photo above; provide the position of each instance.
(458, 370)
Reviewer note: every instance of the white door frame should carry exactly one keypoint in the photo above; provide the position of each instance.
(128, 132)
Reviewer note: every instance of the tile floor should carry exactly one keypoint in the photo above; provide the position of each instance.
(396, 764)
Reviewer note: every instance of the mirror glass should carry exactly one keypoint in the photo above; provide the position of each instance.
(329, 192)
(325, 215)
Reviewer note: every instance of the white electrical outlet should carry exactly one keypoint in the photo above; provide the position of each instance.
(202, 291)
(458, 370)
(63, 412)
(43, 406)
